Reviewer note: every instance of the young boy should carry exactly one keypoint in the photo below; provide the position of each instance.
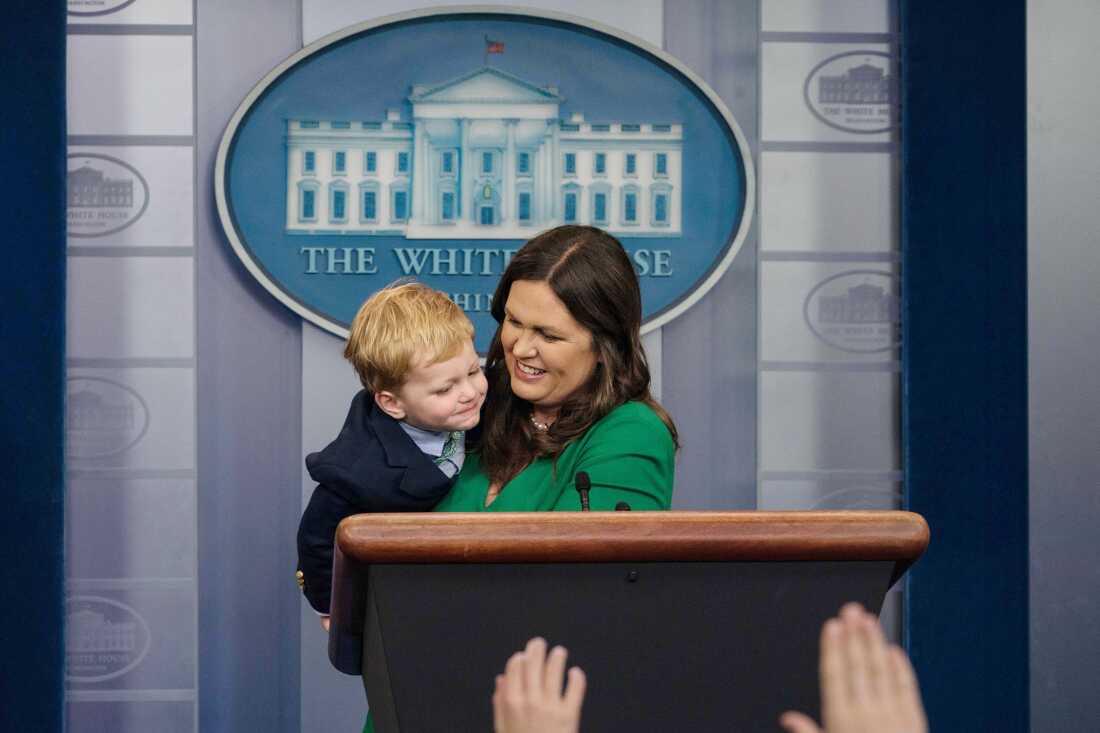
(403, 440)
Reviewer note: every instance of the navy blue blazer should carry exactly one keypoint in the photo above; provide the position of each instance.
(372, 466)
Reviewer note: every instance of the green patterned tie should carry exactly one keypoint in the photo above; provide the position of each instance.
(449, 447)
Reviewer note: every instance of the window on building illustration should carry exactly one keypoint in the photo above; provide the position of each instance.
(339, 162)
(569, 127)
(660, 164)
(660, 209)
(309, 205)
(486, 162)
(372, 125)
(447, 164)
(601, 128)
(400, 205)
(631, 128)
(309, 161)
(599, 165)
(402, 162)
(631, 164)
(523, 163)
(309, 124)
(571, 164)
(486, 215)
(599, 208)
(340, 125)
(370, 162)
(630, 207)
(570, 206)
(339, 210)
(447, 206)
(524, 206)
(662, 128)
(370, 205)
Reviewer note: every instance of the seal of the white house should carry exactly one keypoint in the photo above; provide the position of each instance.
(855, 311)
(105, 195)
(102, 418)
(433, 144)
(854, 91)
(104, 639)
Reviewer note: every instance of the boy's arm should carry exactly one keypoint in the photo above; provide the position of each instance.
(316, 537)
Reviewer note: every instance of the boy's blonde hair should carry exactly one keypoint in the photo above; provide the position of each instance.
(399, 327)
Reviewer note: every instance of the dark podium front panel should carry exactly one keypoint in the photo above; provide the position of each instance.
(667, 646)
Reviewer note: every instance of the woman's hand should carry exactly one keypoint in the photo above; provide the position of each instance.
(529, 698)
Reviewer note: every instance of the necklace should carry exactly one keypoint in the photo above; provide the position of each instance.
(542, 427)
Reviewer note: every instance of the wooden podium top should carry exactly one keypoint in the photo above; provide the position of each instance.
(632, 537)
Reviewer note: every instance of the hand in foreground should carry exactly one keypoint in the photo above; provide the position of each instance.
(325, 621)
(529, 698)
(867, 685)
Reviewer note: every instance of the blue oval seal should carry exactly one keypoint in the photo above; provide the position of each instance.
(855, 91)
(433, 144)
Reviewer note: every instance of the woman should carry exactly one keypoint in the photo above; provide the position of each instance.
(568, 387)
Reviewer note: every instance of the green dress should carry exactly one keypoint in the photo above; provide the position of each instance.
(628, 455)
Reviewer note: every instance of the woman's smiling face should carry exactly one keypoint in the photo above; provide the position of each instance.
(548, 354)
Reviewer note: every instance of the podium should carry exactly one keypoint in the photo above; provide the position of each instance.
(683, 621)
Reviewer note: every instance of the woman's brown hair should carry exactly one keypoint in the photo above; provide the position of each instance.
(590, 272)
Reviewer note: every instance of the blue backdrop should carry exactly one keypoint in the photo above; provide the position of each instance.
(32, 340)
(964, 301)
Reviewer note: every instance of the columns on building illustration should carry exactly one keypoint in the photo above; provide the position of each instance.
(420, 167)
(466, 174)
(508, 204)
(551, 175)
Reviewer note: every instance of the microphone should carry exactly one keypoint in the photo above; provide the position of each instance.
(583, 484)
(622, 506)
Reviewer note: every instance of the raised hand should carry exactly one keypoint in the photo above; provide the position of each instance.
(529, 698)
(867, 685)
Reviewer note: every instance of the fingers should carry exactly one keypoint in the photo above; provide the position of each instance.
(795, 722)
(855, 650)
(498, 704)
(574, 689)
(879, 672)
(534, 657)
(555, 671)
(835, 691)
(513, 676)
(906, 689)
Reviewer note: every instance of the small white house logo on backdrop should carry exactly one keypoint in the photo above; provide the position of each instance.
(855, 311)
(104, 195)
(97, 7)
(854, 92)
(102, 418)
(105, 639)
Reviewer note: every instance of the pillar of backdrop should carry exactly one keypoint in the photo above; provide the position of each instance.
(32, 282)
(964, 250)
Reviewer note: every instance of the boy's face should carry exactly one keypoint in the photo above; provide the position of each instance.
(443, 396)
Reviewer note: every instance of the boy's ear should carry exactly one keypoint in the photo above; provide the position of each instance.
(390, 404)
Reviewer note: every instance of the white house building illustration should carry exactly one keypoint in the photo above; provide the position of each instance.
(486, 156)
